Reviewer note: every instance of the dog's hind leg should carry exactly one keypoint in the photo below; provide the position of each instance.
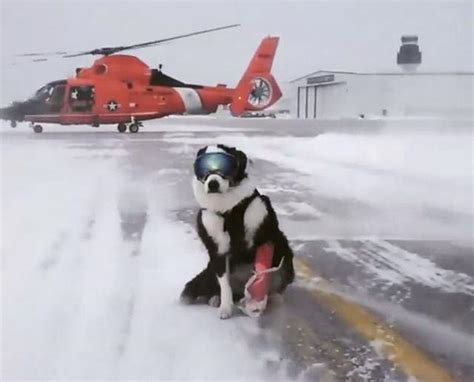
(201, 287)
(215, 301)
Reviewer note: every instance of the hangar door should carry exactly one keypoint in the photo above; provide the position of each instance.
(307, 102)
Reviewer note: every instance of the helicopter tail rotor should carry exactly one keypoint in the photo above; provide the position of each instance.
(258, 89)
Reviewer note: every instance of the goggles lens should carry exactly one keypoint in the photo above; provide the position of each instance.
(215, 163)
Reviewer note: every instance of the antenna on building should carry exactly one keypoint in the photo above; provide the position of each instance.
(409, 55)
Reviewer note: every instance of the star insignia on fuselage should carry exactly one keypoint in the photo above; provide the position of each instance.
(112, 105)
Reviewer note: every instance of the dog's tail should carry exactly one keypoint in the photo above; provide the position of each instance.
(257, 89)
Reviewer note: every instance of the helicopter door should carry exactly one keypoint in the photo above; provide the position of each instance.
(82, 98)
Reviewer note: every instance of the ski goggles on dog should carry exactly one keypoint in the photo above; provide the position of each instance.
(219, 163)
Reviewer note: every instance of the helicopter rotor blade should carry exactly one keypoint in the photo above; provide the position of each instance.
(111, 50)
(31, 59)
(102, 51)
(40, 54)
(151, 43)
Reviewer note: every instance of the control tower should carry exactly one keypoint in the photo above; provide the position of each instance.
(409, 55)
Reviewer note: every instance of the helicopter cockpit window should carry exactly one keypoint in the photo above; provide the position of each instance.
(82, 98)
(44, 93)
(49, 98)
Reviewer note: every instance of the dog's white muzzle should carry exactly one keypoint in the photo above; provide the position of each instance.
(216, 184)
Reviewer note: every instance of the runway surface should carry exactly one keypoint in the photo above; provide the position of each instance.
(98, 239)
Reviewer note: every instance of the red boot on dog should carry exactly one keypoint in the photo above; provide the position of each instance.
(257, 288)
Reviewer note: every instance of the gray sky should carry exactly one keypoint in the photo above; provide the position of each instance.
(338, 35)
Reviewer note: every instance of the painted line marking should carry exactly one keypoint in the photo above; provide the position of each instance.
(406, 356)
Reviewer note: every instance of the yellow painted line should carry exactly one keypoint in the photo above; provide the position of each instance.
(406, 356)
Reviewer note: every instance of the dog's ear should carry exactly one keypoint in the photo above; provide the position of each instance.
(242, 158)
(201, 151)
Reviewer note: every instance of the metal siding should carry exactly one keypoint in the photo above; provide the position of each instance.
(301, 102)
(315, 102)
(310, 96)
(298, 103)
(306, 104)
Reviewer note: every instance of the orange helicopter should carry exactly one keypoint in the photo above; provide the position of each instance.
(123, 90)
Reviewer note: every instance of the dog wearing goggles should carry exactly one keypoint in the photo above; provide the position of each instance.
(234, 223)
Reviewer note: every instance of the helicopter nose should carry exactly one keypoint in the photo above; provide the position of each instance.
(11, 113)
(4, 113)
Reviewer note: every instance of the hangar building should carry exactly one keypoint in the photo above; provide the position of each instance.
(327, 94)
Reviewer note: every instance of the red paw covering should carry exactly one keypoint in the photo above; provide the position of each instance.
(258, 286)
(259, 289)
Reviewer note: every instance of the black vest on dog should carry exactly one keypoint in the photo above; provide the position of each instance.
(234, 225)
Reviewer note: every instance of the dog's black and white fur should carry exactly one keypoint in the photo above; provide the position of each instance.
(232, 223)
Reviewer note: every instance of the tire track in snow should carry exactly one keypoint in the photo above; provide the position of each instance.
(133, 213)
(86, 342)
(64, 239)
(70, 251)
(109, 284)
(53, 254)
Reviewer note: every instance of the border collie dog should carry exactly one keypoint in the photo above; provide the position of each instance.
(233, 222)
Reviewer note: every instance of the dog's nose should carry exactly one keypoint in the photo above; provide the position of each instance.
(213, 186)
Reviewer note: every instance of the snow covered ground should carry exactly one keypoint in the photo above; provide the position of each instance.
(97, 245)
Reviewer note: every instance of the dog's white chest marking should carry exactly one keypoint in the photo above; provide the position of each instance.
(253, 218)
(214, 225)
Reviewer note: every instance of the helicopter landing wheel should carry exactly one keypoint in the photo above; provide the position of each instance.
(38, 128)
(134, 127)
(122, 127)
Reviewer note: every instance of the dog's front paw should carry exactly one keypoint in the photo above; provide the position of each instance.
(225, 311)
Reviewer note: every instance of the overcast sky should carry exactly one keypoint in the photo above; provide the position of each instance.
(337, 35)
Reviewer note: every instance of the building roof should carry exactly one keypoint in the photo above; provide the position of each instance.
(384, 74)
